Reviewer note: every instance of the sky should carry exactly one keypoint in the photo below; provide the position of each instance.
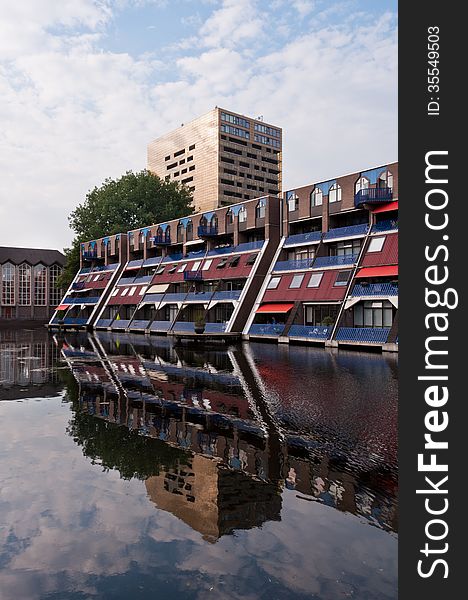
(86, 84)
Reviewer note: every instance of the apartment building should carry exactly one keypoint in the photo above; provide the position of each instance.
(223, 158)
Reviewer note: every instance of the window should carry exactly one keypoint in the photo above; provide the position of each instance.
(235, 131)
(315, 280)
(334, 194)
(235, 120)
(292, 200)
(143, 290)
(207, 264)
(296, 281)
(24, 285)
(346, 248)
(373, 314)
(264, 139)
(251, 260)
(96, 278)
(229, 217)
(321, 314)
(192, 147)
(316, 197)
(362, 184)
(222, 263)
(265, 129)
(132, 291)
(385, 180)
(115, 292)
(182, 268)
(273, 283)
(8, 284)
(172, 269)
(376, 244)
(160, 271)
(55, 293)
(234, 261)
(260, 209)
(196, 265)
(40, 283)
(342, 278)
(124, 292)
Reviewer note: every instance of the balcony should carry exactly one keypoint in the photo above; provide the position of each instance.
(311, 332)
(160, 326)
(74, 321)
(139, 324)
(193, 275)
(86, 300)
(269, 330)
(303, 238)
(104, 323)
(207, 231)
(293, 265)
(89, 255)
(373, 196)
(375, 289)
(215, 327)
(126, 280)
(227, 295)
(161, 240)
(322, 262)
(184, 326)
(367, 335)
(173, 257)
(143, 279)
(389, 225)
(346, 232)
(78, 285)
(120, 324)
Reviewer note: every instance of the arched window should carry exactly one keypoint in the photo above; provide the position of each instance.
(362, 184)
(334, 194)
(385, 180)
(24, 285)
(229, 217)
(243, 215)
(55, 293)
(214, 221)
(180, 232)
(203, 221)
(40, 284)
(260, 209)
(167, 234)
(316, 197)
(292, 201)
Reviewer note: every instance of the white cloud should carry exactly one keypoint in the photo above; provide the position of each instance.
(72, 113)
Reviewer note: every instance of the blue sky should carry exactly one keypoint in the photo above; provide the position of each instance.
(86, 84)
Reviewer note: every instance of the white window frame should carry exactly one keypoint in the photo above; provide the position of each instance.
(124, 293)
(317, 197)
(296, 281)
(315, 280)
(273, 283)
(196, 265)
(182, 268)
(207, 264)
(132, 290)
(376, 244)
(334, 193)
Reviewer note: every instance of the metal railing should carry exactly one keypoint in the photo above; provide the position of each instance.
(160, 325)
(348, 231)
(161, 240)
(370, 335)
(193, 275)
(215, 327)
(313, 332)
(139, 324)
(267, 329)
(322, 262)
(302, 238)
(375, 289)
(199, 296)
(173, 257)
(143, 279)
(207, 231)
(184, 326)
(227, 295)
(79, 285)
(75, 321)
(85, 300)
(373, 195)
(293, 265)
(120, 323)
(387, 225)
(104, 322)
(125, 280)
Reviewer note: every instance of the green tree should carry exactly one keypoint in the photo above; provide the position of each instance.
(120, 205)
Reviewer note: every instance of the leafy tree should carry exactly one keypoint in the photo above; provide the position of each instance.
(120, 205)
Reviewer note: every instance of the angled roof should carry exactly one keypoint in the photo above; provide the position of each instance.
(32, 256)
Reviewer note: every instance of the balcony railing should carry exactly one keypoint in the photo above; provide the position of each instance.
(193, 275)
(215, 327)
(143, 279)
(153, 261)
(369, 335)
(160, 325)
(375, 289)
(75, 321)
(104, 322)
(388, 225)
(139, 324)
(125, 280)
(86, 300)
(345, 232)
(120, 323)
(156, 298)
(227, 295)
(293, 265)
(184, 326)
(207, 231)
(321, 262)
(373, 196)
(161, 240)
(89, 255)
(79, 285)
(175, 297)
(199, 297)
(173, 257)
(313, 332)
(303, 238)
(268, 329)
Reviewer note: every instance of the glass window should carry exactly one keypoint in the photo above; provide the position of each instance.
(316, 197)
(292, 200)
(172, 269)
(132, 291)
(207, 264)
(196, 265)
(115, 292)
(125, 292)
(296, 281)
(334, 195)
(315, 280)
(234, 261)
(243, 215)
(342, 277)
(385, 180)
(362, 184)
(55, 293)
(251, 260)
(8, 284)
(376, 244)
(160, 271)
(346, 248)
(24, 285)
(260, 209)
(273, 283)
(373, 314)
(222, 263)
(143, 290)
(40, 283)
(182, 268)
(229, 217)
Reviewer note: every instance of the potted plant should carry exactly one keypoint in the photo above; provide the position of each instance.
(200, 325)
(327, 321)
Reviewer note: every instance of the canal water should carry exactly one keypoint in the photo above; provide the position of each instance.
(133, 468)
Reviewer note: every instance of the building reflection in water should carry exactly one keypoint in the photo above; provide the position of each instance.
(27, 364)
(198, 427)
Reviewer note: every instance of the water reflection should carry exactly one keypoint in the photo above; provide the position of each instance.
(217, 443)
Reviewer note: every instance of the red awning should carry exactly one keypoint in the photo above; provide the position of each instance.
(389, 271)
(386, 207)
(62, 307)
(275, 308)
